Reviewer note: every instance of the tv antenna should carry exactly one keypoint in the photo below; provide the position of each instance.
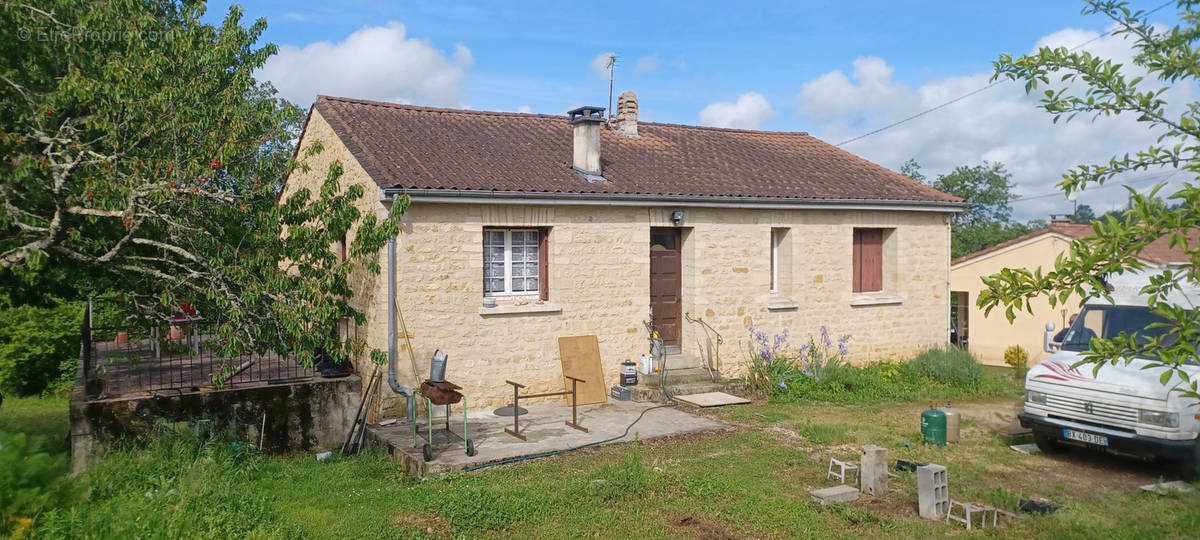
(611, 65)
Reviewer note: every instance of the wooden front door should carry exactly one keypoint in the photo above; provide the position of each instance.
(666, 284)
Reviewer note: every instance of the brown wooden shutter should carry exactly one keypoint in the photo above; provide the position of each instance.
(872, 260)
(868, 260)
(543, 263)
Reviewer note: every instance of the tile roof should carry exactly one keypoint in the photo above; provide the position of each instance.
(1157, 252)
(409, 147)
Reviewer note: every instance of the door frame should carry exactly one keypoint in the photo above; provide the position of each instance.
(671, 348)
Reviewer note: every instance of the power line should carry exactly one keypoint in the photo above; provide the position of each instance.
(973, 92)
(1105, 186)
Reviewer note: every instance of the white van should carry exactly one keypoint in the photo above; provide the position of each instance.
(1123, 408)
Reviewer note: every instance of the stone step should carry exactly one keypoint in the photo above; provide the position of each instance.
(677, 376)
(681, 361)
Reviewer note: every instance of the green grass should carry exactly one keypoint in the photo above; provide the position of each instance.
(752, 482)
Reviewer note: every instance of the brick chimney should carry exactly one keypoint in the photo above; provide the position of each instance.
(587, 122)
(627, 112)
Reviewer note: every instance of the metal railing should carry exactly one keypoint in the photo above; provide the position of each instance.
(178, 356)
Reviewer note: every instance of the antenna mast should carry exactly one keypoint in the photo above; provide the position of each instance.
(612, 64)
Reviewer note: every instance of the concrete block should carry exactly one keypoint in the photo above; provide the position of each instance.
(873, 470)
(933, 491)
(835, 494)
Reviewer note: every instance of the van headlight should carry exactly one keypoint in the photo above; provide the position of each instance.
(1033, 396)
(1158, 418)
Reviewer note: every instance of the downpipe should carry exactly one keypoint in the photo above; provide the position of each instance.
(392, 381)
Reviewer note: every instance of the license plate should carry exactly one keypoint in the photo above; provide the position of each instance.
(1099, 440)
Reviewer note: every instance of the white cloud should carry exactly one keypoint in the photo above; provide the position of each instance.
(748, 112)
(647, 64)
(525, 109)
(378, 62)
(999, 124)
(599, 64)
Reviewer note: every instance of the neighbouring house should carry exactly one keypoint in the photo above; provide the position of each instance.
(988, 337)
(582, 224)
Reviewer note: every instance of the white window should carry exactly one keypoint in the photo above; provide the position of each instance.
(511, 262)
(777, 236)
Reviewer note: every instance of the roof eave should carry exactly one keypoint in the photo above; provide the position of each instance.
(633, 199)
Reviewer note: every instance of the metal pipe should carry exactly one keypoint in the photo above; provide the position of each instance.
(392, 381)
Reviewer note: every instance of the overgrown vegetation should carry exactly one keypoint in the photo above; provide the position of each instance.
(752, 482)
(39, 348)
(816, 371)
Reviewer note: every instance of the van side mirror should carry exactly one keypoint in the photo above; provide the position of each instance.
(1048, 343)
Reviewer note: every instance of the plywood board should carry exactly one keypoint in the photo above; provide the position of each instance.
(712, 399)
(581, 359)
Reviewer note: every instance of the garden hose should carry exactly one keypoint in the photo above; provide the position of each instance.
(670, 403)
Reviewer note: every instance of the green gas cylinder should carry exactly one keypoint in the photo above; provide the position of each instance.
(933, 427)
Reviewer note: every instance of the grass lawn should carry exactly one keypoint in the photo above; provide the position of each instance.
(752, 482)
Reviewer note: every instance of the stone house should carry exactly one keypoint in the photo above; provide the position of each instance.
(988, 336)
(525, 227)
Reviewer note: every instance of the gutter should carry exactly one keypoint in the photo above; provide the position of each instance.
(462, 196)
(392, 381)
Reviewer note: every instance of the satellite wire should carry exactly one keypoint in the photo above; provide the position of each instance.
(973, 92)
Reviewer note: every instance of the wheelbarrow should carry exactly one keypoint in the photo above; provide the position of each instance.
(441, 393)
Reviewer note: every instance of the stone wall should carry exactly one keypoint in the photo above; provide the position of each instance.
(302, 417)
(599, 283)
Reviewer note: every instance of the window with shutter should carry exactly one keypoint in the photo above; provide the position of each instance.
(868, 260)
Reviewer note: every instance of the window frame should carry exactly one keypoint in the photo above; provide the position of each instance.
(540, 244)
(777, 235)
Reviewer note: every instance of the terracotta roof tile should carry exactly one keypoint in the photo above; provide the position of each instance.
(1157, 252)
(409, 147)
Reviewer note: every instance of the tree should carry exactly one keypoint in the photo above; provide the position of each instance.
(912, 169)
(1081, 83)
(138, 146)
(1084, 214)
(988, 221)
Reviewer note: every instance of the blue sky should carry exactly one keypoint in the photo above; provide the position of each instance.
(834, 69)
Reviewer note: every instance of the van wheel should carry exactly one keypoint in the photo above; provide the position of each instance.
(1045, 443)
(1191, 468)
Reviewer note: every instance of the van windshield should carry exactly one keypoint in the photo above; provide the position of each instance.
(1108, 322)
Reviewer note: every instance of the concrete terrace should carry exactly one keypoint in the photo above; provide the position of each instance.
(544, 428)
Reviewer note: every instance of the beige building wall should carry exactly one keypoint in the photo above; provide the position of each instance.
(599, 283)
(989, 336)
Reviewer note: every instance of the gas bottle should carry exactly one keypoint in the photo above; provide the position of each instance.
(933, 426)
(952, 418)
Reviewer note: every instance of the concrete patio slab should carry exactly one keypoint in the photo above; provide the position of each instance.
(544, 428)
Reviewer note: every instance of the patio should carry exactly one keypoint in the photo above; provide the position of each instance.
(544, 428)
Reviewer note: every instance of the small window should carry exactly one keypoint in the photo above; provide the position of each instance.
(514, 262)
(868, 260)
(777, 259)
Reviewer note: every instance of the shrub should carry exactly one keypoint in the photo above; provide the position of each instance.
(948, 364)
(39, 347)
(31, 481)
(1018, 359)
